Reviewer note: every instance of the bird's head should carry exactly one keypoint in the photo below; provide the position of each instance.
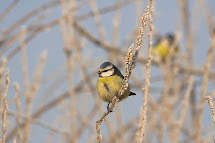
(106, 69)
(170, 38)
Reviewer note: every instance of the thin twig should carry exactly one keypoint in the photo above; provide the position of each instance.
(8, 9)
(5, 107)
(210, 103)
(142, 122)
(69, 43)
(18, 107)
(204, 87)
(36, 122)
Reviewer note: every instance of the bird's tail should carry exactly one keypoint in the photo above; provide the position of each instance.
(132, 93)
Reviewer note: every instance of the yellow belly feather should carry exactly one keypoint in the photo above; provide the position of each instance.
(108, 87)
(161, 50)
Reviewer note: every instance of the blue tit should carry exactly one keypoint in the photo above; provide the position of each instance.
(162, 46)
(109, 83)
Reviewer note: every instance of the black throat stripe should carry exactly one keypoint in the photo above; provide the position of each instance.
(106, 87)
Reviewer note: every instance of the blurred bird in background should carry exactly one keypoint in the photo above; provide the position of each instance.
(164, 46)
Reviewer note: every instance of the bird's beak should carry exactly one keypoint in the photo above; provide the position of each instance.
(98, 72)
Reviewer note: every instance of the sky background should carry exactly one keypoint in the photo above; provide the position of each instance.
(167, 19)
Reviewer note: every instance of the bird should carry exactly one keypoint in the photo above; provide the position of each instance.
(109, 82)
(161, 48)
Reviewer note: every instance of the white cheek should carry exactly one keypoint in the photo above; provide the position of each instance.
(108, 73)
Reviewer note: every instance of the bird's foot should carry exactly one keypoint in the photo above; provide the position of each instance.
(108, 108)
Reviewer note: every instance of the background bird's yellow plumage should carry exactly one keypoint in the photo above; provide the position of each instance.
(161, 50)
(108, 87)
(164, 46)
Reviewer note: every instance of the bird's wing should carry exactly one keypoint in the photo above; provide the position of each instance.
(118, 72)
(122, 76)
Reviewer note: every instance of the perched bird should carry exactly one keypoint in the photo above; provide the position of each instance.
(109, 83)
(161, 48)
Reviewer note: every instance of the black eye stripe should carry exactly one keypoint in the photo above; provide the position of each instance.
(107, 70)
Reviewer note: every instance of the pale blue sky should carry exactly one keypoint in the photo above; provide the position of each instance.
(167, 19)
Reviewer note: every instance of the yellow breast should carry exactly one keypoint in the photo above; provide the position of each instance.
(161, 50)
(108, 87)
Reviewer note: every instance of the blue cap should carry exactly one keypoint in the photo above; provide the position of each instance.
(105, 64)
